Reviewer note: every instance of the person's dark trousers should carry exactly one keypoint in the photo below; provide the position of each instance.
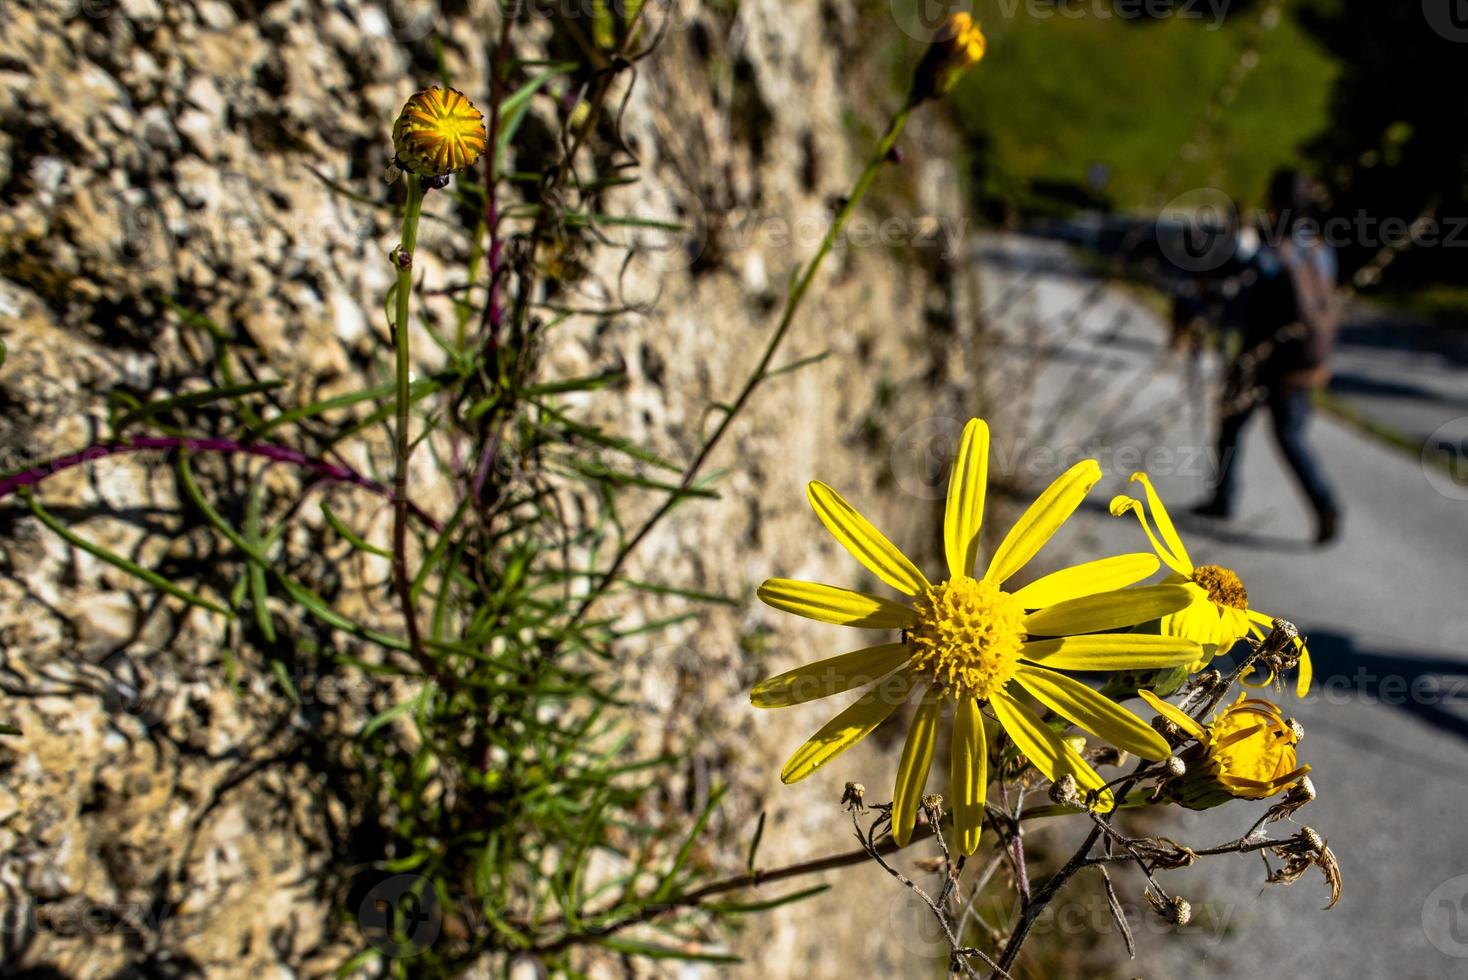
(1289, 407)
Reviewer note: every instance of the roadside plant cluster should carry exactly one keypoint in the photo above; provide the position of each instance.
(490, 788)
(1002, 661)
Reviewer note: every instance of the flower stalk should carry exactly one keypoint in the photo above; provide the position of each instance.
(403, 259)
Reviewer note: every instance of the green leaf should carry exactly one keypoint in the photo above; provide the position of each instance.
(194, 399)
(796, 365)
(118, 561)
(396, 711)
(302, 596)
(254, 574)
(759, 833)
(640, 947)
(352, 537)
(666, 887)
(740, 908)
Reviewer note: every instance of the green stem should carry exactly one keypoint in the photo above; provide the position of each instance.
(404, 297)
(879, 156)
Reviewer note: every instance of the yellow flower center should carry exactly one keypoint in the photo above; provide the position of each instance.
(1262, 755)
(1223, 585)
(967, 637)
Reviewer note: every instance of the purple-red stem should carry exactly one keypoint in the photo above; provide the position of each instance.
(280, 454)
(492, 221)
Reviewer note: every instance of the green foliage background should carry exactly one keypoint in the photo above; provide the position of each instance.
(1060, 94)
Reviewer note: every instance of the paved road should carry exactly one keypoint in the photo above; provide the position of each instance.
(1411, 378)
(1387, 724)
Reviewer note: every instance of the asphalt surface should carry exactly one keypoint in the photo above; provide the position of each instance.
(1081, 367)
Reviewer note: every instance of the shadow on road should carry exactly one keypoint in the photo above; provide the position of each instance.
(1426, 686)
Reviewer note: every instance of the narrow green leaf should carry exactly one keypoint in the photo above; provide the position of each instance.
(759, 833)
(739, 908)
(656, 951)
(352, 537)
(194, 399)
(666, 886)
(118, 561)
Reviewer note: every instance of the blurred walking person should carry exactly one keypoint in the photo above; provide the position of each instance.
(1292, 314)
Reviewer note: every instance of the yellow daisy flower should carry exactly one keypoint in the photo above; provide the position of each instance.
(1246, 752)
(438, 132)
(1219, 615)
(965, 641)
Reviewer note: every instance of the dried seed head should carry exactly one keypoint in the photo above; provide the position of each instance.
(933, 806)
(854, 798)
(1175, 910)
(1064, 791)
(1311, 836)
(1176, 767)
(1293, 724)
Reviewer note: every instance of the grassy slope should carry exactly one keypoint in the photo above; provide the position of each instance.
(1056, 95)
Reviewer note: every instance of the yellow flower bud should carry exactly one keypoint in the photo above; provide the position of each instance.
(957, 47)
(438, 132)
(1246, 752)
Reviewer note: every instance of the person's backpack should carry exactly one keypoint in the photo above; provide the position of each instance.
(1318, 306)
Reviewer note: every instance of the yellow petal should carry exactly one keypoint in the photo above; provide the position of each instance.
(968, 776)
(1112, 651)
(866, 544)
(1103, 575)
(967, 484)
(1107, 611)
(1307, 671)
(849, 727)
(1203, 621)
(1094, 712)
(1044, 517)
(1046, 750)
(830, 604)
(831, 676)
(912, 771)
(1121, 504)
(1163, 520)
(1174, 714)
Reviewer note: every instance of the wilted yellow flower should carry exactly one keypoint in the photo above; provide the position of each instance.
(438, 132)
(1219, 615)
(964, 640)
(957, 47)
(1246, 752)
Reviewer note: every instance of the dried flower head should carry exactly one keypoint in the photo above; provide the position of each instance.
(1246, 752)
(438, 133)
(957, 47)
(1300, 853)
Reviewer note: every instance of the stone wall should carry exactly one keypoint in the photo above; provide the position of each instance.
(180, 152)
